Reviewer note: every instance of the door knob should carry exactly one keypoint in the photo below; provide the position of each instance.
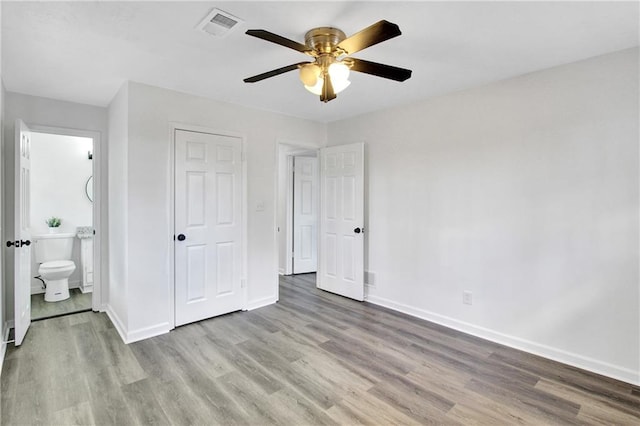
(181, 237)
(11, 243)
(25, 243)
(357, 230)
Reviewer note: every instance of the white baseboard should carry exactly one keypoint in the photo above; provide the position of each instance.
(3, 346)
(115, 320)
(259, 303)
(86, 289)
(135, 335)
(573, 359)
(147, 332)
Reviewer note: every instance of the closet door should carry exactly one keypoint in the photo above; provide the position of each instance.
(208, 226)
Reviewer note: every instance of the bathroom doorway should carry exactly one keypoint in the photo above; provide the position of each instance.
(62, 222)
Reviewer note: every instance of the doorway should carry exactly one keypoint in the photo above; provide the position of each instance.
(297, 209)
(338, 210)
(61, 213)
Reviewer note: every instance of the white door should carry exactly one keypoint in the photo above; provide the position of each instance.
(341, 257)
(22, 236)
(305, 217)
(208, 226)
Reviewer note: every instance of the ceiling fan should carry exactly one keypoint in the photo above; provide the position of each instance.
(328, 74)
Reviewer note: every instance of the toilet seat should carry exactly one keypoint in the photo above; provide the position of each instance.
(56, 264)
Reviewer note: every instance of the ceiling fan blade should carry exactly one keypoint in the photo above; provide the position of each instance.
(327, 90)
(273, 73)
(379, 70)
(275, 38)
(374, 34)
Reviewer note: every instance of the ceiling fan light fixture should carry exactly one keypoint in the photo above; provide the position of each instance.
(316, 89)
(339, 72)
(338, 86)
(309, 74)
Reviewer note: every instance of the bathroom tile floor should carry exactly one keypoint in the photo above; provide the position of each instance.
(77, 302)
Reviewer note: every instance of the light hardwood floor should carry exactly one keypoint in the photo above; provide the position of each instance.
(313, 358)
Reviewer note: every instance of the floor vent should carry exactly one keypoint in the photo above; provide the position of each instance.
(219, 23)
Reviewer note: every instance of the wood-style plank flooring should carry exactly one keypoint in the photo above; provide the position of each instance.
(76, 302)
(312, 359)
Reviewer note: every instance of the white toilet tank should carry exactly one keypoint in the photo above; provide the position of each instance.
(50, 247)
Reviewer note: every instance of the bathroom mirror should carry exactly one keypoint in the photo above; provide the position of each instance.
(89, 188)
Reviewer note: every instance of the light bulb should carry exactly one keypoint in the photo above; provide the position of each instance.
(339, 73)
(309, 74)
(316, 89)
(338, 86)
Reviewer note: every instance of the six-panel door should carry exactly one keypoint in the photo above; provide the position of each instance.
(305, 216)
(208, 226)
(341, 257)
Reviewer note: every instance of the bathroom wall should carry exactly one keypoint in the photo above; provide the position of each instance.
(59, 172)
(60, 169)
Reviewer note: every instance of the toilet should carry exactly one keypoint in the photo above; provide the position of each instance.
(53, 252)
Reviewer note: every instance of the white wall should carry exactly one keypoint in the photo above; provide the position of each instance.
(59, 172)
(34, 110)
(116, 294)
(524, 192)
(148, 171)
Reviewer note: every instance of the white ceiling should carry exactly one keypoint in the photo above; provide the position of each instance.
(84, 51)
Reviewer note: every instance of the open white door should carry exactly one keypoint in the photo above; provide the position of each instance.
(22, 236)
(305, 216)
(341, 257)
(208, 226)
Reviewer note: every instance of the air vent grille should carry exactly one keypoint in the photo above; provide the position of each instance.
(225, 21)
(218, 23)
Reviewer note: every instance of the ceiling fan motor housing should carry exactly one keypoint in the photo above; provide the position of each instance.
(324, 40)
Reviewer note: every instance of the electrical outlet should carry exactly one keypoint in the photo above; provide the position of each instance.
(467, 298)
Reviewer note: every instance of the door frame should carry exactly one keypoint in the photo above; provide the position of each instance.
(294, 147)
(98, 298)
(173, 127)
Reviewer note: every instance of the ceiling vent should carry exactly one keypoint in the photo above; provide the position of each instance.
(219, 23)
